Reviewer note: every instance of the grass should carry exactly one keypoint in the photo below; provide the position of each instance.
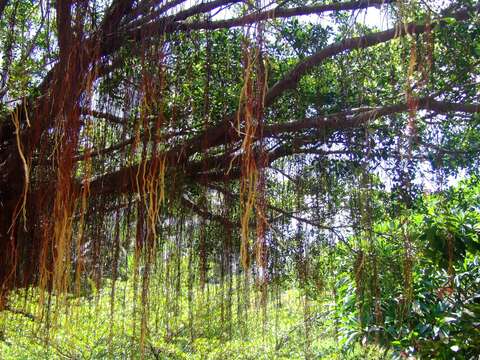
(85, 328)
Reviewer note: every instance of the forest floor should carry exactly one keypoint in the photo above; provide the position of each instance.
(86, 328)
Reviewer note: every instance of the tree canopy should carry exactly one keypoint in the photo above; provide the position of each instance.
(243, 137)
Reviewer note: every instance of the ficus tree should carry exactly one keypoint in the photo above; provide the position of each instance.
(224, 122)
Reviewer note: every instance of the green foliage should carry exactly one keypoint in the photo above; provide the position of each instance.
(439, 319)
(400, 273)
(88, 330)
(442, 322)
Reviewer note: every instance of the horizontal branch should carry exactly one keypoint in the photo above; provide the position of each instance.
(201, 8)
(278, 13)
(139, 30)
(291, 79)
(345, 120)
(224, 131)
(215, 168)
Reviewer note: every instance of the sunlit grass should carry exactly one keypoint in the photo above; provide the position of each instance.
(86, 328)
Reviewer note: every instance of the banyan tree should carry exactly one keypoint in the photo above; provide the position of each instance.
(201, 130)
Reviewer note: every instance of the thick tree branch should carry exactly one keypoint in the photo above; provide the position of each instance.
(278, 13)
(291, 79)
(201, 8)
(224, 131)
(215, 168)
(141, 29)
(345, 120)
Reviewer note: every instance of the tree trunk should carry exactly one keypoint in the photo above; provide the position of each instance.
(10, 188)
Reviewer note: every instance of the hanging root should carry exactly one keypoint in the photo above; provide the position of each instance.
(21, 206)
(248, 164)
(253, 161)
(407, 272)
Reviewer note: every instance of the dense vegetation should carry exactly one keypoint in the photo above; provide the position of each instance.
(329, 314)
(239, 179)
